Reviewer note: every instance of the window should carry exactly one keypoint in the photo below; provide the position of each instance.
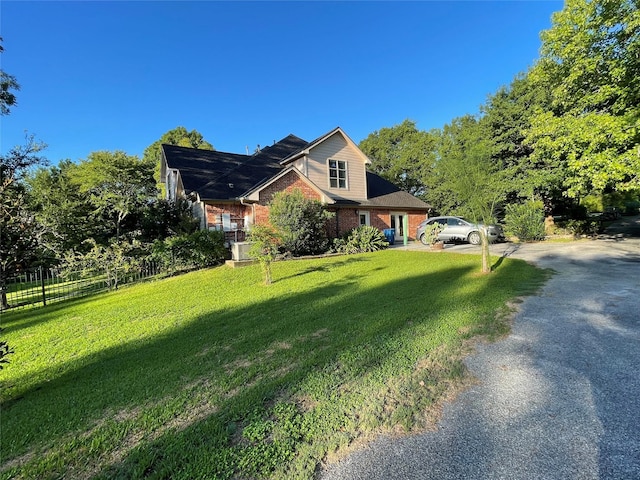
(337, 174)
(363, 218)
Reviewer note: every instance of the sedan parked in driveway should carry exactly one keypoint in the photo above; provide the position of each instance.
(457, 229)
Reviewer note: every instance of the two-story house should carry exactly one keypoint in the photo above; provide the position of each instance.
(232, 191)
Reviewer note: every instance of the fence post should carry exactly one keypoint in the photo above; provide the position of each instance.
(44, 297)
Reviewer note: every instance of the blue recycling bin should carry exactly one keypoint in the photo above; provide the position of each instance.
(390, 235)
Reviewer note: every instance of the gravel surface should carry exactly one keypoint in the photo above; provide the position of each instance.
(559, 398)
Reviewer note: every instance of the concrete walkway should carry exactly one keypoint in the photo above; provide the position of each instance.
(559, 398)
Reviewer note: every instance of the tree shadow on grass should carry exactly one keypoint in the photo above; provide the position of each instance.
(169, 406)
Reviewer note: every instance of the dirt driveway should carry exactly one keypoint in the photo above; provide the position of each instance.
(559, 398)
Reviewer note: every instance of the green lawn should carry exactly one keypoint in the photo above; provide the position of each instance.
(214, 375)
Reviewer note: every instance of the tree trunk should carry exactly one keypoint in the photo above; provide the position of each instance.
(486, 255)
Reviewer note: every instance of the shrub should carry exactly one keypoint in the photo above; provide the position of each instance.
(301, 222)
(582, 227)
(198, 249)
(265, 242)
(525, 221)
(361, 239)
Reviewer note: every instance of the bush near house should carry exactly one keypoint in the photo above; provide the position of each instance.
(301, 222)
(525, 221)
(201, 248)
(361, 239)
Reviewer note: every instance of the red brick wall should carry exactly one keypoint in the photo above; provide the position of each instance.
(347, 219)
(237, 211)
(287, 183)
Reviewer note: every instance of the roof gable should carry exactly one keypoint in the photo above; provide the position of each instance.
(314, 143)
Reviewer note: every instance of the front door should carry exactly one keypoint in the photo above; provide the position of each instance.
(397, 223)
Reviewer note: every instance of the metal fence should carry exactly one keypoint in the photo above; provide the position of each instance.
(41, 286)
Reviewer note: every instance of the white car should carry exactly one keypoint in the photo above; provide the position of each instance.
(457, 229)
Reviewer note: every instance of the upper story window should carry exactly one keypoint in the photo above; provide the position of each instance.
(337, 174)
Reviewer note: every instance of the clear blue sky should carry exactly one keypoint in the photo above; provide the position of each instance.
(117, 75)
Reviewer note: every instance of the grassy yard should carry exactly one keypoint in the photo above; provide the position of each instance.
(213, 375)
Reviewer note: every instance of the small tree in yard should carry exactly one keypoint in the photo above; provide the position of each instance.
(265, 242)
(467, 170)
(300, 221)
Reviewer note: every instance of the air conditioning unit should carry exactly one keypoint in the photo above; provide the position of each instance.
(240, 251)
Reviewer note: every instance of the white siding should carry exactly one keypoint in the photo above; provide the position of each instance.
(337, 148)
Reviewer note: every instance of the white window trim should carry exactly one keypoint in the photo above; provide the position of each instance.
(367, 217)
(346, 172)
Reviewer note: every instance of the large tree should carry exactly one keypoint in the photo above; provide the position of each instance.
(507, 115)
(402, 154)
(178, 136)
(590, 64)
(66, 214)
(117, 184)
(19, 231)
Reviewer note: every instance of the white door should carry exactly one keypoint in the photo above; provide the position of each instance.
(397, 223)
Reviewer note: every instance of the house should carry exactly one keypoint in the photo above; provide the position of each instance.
(231, 191)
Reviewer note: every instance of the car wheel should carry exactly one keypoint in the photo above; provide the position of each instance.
(423, 239)
(474, 238)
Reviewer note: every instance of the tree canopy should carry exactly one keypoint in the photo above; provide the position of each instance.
(590, 64)
(402, 154)
(116, 183)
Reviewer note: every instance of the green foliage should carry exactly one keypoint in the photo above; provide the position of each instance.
(431, 232)
(67, 216)
(19, 230)
(632, 207)
(117, 184)
(162, 218)
(361, 239)
(301, 222)
(402, 154)
(192, 250)
(115, 260)
(469, 175)
(525, 221)
(265, 243)
(580, 227)
(590, 59)
(166, 376)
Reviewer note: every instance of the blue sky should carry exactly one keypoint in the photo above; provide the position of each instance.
(117, 75)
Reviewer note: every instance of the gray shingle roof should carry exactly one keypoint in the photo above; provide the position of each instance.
(226, 176)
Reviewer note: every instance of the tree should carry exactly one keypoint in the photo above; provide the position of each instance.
(7, 84)
(402, 154)
(19, 231)
(116, 184)
(507, 114)
(301, 222)
(590, 61)
(65, 213)
(466, 170)
(178, 136)
(265, 242)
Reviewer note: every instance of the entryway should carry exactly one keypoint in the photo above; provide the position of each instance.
(397, 223)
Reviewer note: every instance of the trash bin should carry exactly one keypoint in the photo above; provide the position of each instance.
(390, 235)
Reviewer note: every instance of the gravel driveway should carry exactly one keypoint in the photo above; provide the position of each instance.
(559, 398)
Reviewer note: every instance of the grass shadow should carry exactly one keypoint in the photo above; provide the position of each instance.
(173, 404)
